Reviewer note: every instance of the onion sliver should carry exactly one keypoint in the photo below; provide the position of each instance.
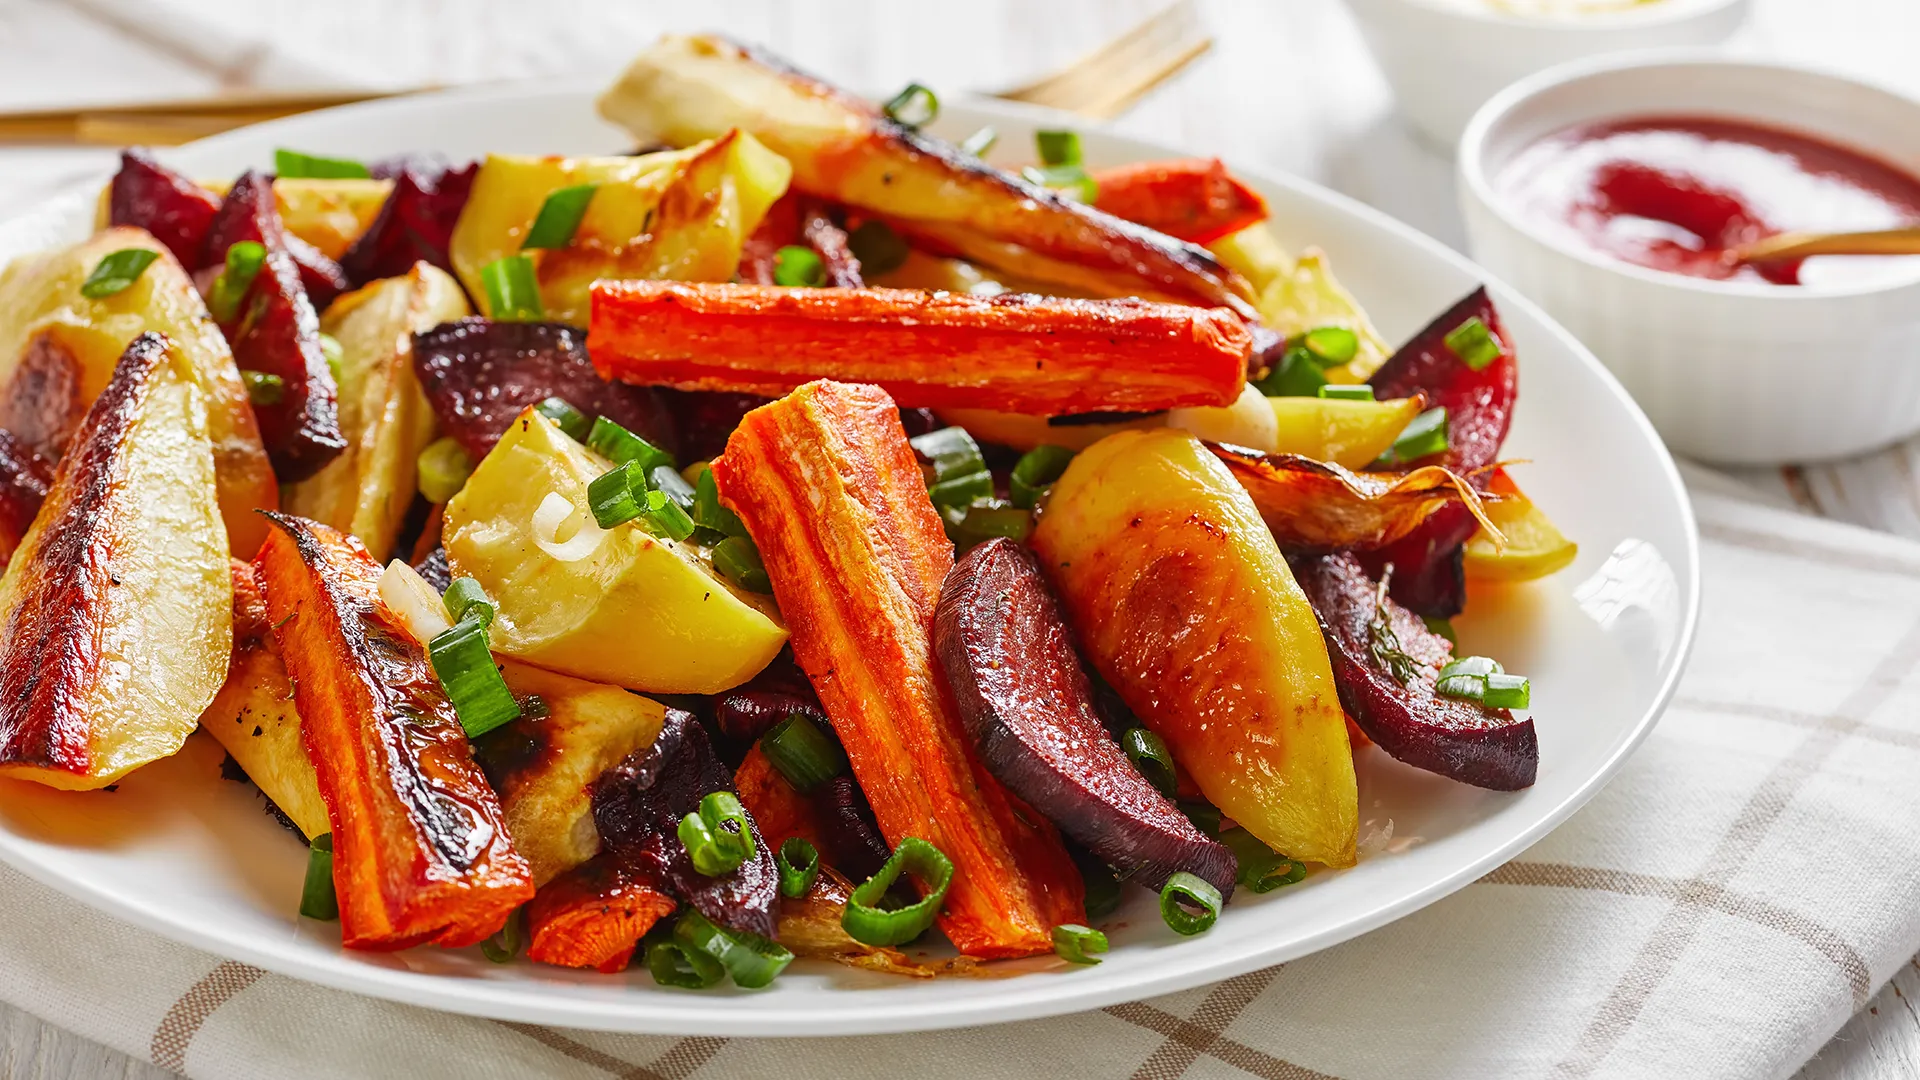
(553, 512)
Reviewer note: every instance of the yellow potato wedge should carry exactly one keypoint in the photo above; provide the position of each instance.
(367, 489)
(1349, 433)
(1184, 603)
(1534, 546)
(58, 349)
(682, 215)
(636, 610)
(329, 214)
(117, 608)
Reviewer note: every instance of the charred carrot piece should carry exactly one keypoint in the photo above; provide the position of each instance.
(1015, 352)
(781, 812)
(834, 498)
(420, 845)
(1192, 199)
(594, 914)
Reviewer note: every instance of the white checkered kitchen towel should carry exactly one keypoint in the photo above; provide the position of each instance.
(1718, 911)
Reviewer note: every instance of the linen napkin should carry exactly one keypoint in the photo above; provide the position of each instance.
(1718, 911)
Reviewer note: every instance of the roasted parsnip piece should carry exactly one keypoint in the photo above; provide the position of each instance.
(681, 215)
(593, 915)
(1297, 295)
(421, 848)
(1314, 506)
(384, 418)
(1348, 433)
(831, 492)
(1191, 199)
(685, 89)
(117, 608)
(254, 718)
(1182, 601)
(1015, 352)
(58, 349)
(810, 926)
(329, 214)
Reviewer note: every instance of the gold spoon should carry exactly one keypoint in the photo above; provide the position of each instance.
(1796, 245)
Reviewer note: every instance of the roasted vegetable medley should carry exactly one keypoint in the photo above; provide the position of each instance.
(785, 540)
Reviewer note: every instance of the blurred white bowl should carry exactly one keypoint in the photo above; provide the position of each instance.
(1729, 371)
(1444, 58)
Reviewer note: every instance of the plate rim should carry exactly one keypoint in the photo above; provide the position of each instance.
(1024, 997)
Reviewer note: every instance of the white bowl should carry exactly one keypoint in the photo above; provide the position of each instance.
(1444, 58)
(1732, 372)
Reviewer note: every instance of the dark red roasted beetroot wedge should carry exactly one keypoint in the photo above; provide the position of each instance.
(243, 219)
(829, 241)
(275, 332)
(150, 196)
(24, 478)
(1009, 660)
(416, 222)
(1458, 739)
(1428, 575)
(638, 804)
(479, 374)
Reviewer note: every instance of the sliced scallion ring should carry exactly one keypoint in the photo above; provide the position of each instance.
(1150, 755)
(714, 848)
(1346, 392)
(959, 470)
(798, 267)
(502, 947)
(914, 107)
(243, 262)
(978, 143)
(559, 217)
(801, 753)
(264, 388)
(707, 511)
(1036, 470)
(443, 468)
(752, 960)
(465, 667)
(1473, 343)
(868, 923)
(1331, 345)
(1188, 904)
(738, 561)
(513, 291)
(293, 165)
(1261, 868)
(317, 899)
(618, 445)
(612, 498)
(673, 964)
(1073, 943)
(799, 863)
(1424, 436)
(1058, 147)
(465, 597)
(564, 416)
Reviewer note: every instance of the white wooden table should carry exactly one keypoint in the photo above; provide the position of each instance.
(1288, 86)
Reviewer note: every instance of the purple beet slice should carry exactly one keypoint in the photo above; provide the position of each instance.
(1008, 658)
(150, 196)
(1368, 638)
(1428, 575)
(638, 804)
(479, 374)
(274, 331)
(416, 222)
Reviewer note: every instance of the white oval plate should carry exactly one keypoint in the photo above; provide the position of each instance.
(183, 853)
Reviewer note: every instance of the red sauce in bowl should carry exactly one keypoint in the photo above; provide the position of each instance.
(1676, 193)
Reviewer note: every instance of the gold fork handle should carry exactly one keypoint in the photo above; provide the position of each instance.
(1797, 245)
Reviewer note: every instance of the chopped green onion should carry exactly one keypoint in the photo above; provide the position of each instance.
(293, 165)
(612, 496)
(1476, 666)
(244, 259)
(979, 142)
(1347, 392)
(1184, 892)
(673, 964)
(959, 471)
(1058, 147)
(1102, 886)
(752, 960)
(1069, 180)
(1331, 345)
(331, 349)
(263, 388)
(878, 247)
(796, 266)
(115, 272)
(799, 864)
(559, 217)
(502, 947)
(317, 899)
(443, 468)
(1443, 627)
(709, 515)
(1425, 436)
(465, 666)
(1473, 343)
(1483, 680)
(869, 924)
(800, 752)
(561, 413)
(1072, 942)
(738, 561)
(1298, 374)
(1204, 815)
(513, 292)
(668, 481)
(985, 520)
(465, 597)
(1150, 755)
(715, 849)
(1036, 470)
(914, 107)
(1262, 869)
(663, 516)
(1507, 692)
(618, 445)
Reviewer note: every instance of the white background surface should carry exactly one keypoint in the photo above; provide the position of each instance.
(1288, 86)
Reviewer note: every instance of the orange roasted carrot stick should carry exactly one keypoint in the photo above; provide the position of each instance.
(1192, 199)
(834, 498)
(780, 812)
(594, 914)
(420, 845)
(1016, 353)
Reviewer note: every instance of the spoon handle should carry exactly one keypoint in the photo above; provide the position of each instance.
(1795, 245)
